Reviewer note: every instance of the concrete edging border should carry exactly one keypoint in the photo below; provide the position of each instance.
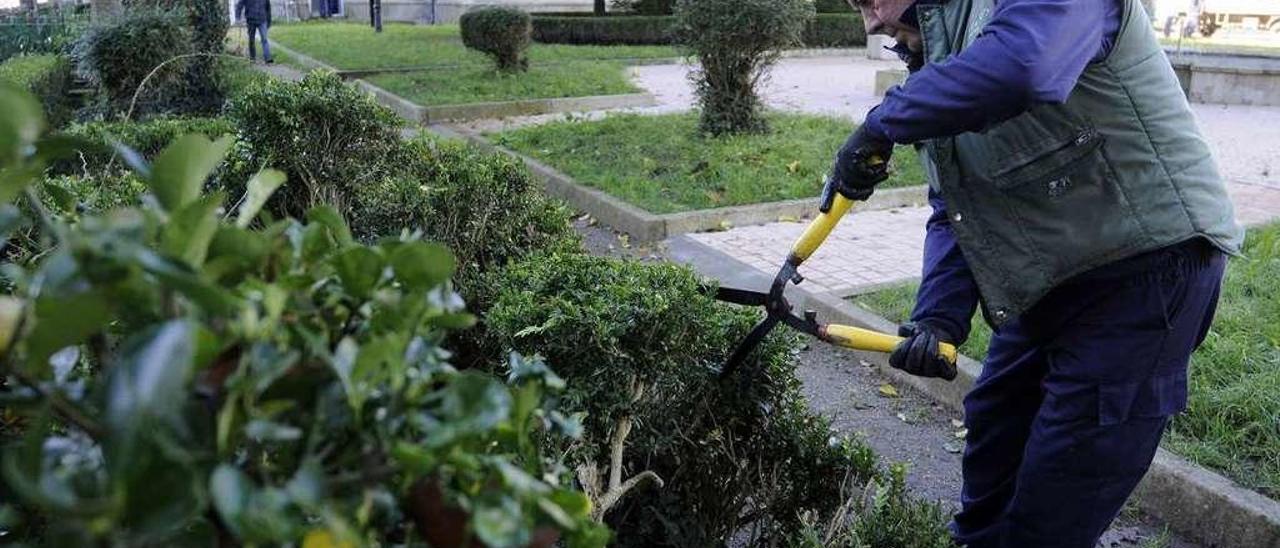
(479, 111)
(644, 226)
(1193, 500)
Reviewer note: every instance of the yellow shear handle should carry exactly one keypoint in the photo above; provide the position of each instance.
(873, 341)
(819, 229)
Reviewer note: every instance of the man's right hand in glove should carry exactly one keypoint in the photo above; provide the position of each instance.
(861, 164)
(919, 353)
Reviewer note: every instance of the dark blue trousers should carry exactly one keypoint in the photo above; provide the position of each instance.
(1075, 395)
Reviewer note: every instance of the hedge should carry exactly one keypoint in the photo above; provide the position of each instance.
(826, 30)
(148, 138)
(48, 77)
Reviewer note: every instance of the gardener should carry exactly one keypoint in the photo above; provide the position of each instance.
(1075, 198)
(256, 15)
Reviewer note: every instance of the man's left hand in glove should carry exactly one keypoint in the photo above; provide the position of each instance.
(861, 164)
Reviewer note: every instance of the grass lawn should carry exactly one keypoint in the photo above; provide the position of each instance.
(1245, 45)
(356, 46)
(662, 164)
(1233, 421)
(476, 84)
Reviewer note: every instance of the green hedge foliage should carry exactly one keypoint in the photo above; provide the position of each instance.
(118, 56)
(328, 136)
(642, 344)
(826, 30)
(47, 76)
(502, 33)
(628, 29)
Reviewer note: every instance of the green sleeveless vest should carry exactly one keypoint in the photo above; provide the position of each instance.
(1119, 169)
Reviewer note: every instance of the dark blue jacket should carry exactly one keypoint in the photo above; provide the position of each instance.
(254, 12)
(1031, 51)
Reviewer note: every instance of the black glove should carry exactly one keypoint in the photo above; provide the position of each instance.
(861, 164)
(919, 354)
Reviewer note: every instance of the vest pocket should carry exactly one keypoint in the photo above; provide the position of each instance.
(1069, 207)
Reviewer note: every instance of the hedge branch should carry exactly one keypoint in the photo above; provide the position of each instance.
(589, 474)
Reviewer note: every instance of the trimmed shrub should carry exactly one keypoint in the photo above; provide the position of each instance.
(880, 514)
(329, 137)
(54, 30)
(502, 33)
(736, 41)
(48, 77)
(204, 89)
(485, 206)
(120, 54)
(629, 29)
(202, 380)
(640, 346)
(831, 30)
(147, 138)
(646, 7)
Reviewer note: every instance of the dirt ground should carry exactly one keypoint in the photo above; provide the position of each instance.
(908, 428)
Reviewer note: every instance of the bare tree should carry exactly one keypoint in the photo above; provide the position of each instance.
(101, 10)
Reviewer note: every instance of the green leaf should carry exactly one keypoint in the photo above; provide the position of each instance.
(230, 490)
(63, 145)
(472, 404)
(21, 124)
(63, 198)
(306, 488)
(10, 219)
(183, 280)
(422, 265)
(359, 268)
(500, 524)
(329, 218)
(190, 230)
(14, 180)
(181, 169)
(259, 189)
(61, 322)
(132, 159)
(344, 363)
(264, 430)
(151, 377)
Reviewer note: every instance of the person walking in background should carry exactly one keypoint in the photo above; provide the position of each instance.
(256, 15)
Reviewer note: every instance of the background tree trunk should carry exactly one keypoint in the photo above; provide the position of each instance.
(27, 5)
(599, 7)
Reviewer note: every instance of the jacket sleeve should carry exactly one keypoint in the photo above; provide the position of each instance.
(1031, 51)
(267, 3)
(948, 295)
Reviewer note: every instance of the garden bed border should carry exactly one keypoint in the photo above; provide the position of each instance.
(1194, 501)
(644, 226)
(420, 114)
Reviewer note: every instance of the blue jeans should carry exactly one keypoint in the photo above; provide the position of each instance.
(261, 29)
(1075, 395)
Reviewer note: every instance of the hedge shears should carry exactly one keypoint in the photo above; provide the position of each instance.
(780, 311)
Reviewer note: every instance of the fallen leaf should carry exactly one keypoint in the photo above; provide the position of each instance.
(903, 417)
(953, 447)
(957, 423)
(866, 363)
(887, 390)
(793, 166)
(962, 433)
(625, 239)
(725, 225)
(788, 219)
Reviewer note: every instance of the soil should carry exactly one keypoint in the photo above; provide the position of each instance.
(908, 428)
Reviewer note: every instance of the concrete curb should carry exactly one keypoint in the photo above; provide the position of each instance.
(420, 114)
(1194, 501)
(644, 226)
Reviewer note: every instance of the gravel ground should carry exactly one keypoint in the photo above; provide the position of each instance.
(909, 428)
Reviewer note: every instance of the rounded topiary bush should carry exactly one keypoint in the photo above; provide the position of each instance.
(120, 54)
(502, 33)
(329, 137)
(735, 42)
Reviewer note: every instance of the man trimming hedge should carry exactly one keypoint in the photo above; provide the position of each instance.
(256, 15)
(1076, 200)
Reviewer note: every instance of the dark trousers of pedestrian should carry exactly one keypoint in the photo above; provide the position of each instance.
(1075, 395)
(261, 30)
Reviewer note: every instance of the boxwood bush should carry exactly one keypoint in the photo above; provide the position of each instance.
(177, 375)
(640, 346)
(736, 41)
(119, 54)
(329, 137)
(626, 29)
(146, 137)
(835, 30)
(485, 206)
(502, 33)
(48, 76)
